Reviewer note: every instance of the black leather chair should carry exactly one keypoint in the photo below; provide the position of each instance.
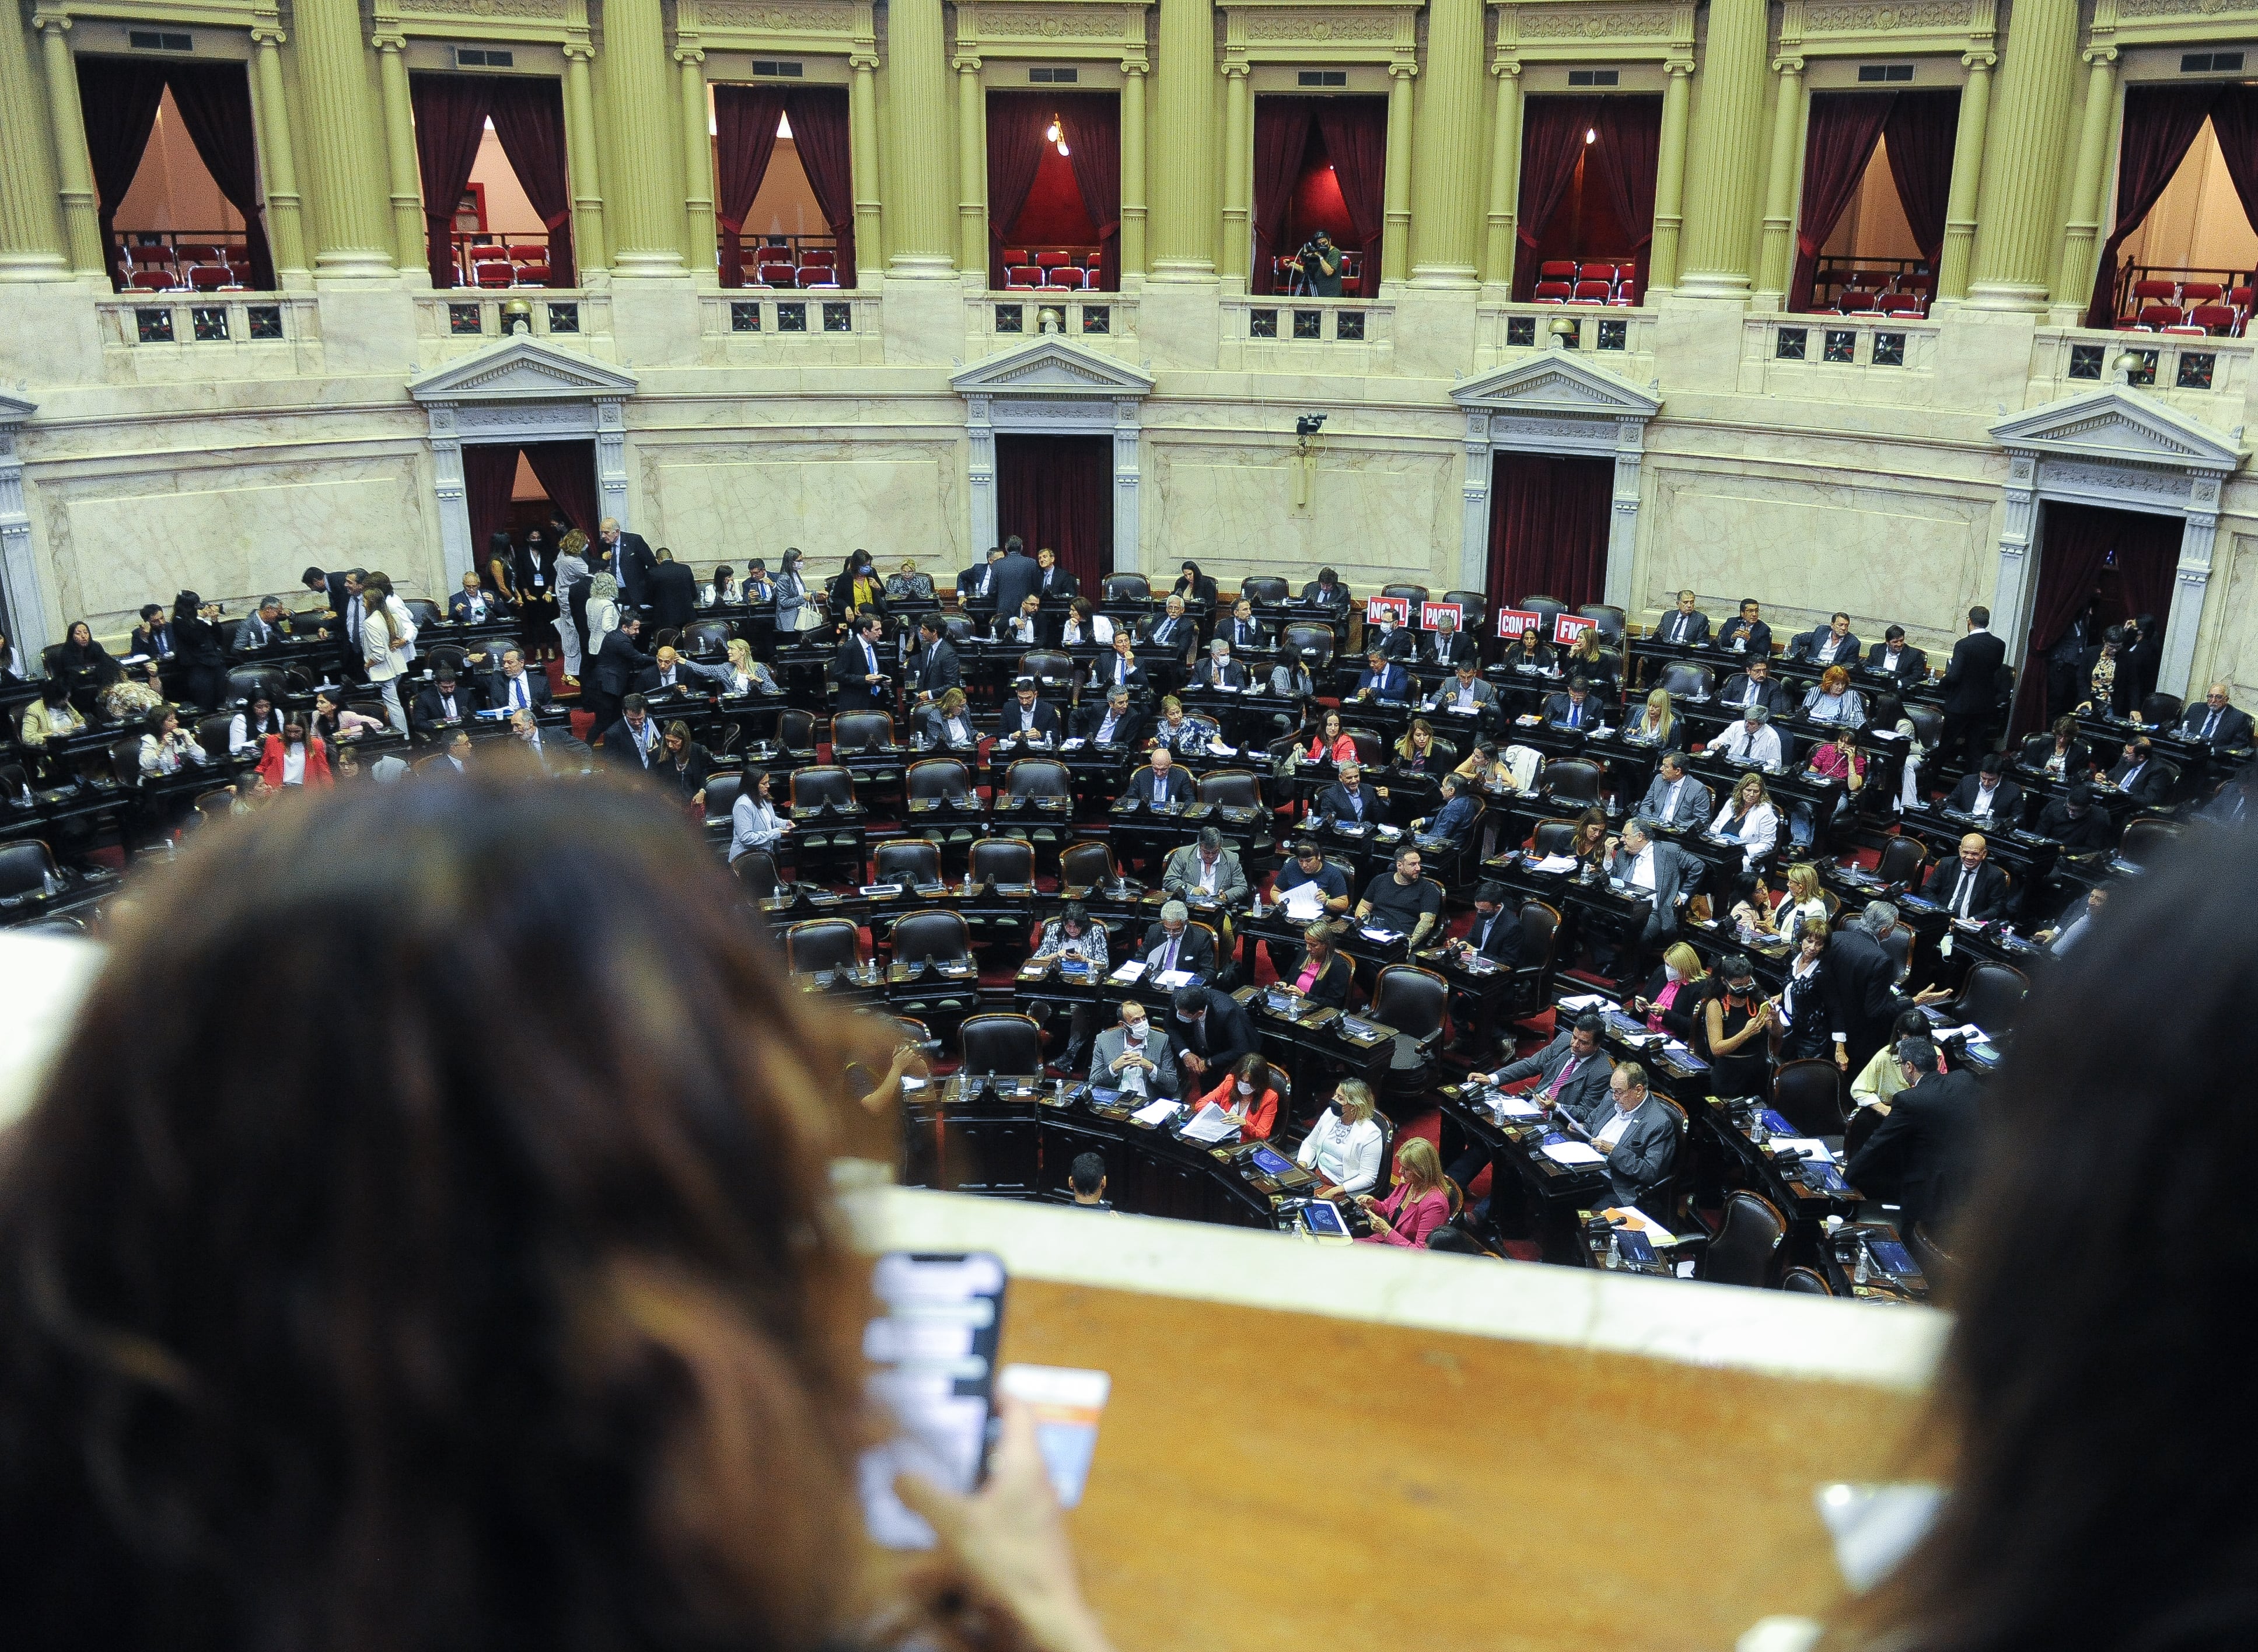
(1687, 679)
(1571, 780)
(823, 943)
(1043, 780)
(1803, 1281)
(820, 783)
(1050, 667)
(931, 937)
(1127, 588)
(795, 732)
(1863, 1123)
(920, 857)
(1532, 978)
(707, 638)
(1300, 637)
(1742, 1251)
(424, 611)
(1666, 1195)
(1990, 996)
(1553, 837)
(1610, 619)
(1412, 1001)
(1413, 594)
(755, 869)
(1001, 1041)
(2143, 841)
(1372, 750)
(722, 790)
(1474, 606)
(246, 683)
(859, 731)
(959, 627)
(1928, 727)
(211, 733)
(1897, 946)
(1006, 859)
(1808, 1095)
(820, 842)
(1264, 588)
(26, 868)
(1235, 788)
(1903, 859)
(1938, 1266)
(1088, 863)
(2161, 709)
(1547, 609)
(934, 937)
(938, 780)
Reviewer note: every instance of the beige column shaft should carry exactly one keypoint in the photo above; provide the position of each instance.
(862, 160)
(1721, 231)
(917, 90)
(700, 250)
(409, 235)
(31, 221)
(1395, 189)
(588, 251)
(646, 223)
(82, 222)
(2088, 184)
(972, 166)
(278, 159)
(1670, 175)
(1446, 191)
(1237, 250)
(2016, 249)
(1504, 177)
(1184, 151)
(1132, 166)
(1776, 268)
(1967, 175)
(352, 230)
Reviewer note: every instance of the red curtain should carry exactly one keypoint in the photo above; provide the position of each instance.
(1091, 122)
(1017, 122)
(214, 103)
(567, 471)
(1845, 126)
(744, 139)
(1356, 140)
(528, 118)
(2075, 545)
(1552, 143)
(2160, 123)
(1282, 142)
(1549, 518)
(120, 100)
(818, 115)
(1628, 153)
(1058, 490)
(1920, 134)
(2234, 121)
(489, 469)
(450, 119)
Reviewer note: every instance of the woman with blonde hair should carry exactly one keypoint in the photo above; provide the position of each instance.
(1416, 752)
(1658, 726)
(1670, 1001)
(572, 571)
(748, 675)
(1344, 1147)
(603, 612)
(1586, 659)
(1419, 1203)
(947, 722)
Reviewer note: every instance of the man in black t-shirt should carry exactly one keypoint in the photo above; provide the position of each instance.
(1402, 900)
(1321, 266)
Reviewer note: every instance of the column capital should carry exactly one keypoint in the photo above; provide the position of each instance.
(1680, 66)
(383, 38)
(1136, 66)
(863, 58)
(268, 32)
(579, 52)
(1985, 61)
(965, 62)
(2099, 54)
(1787, 63)
(44, 19)
(689, 51)
(1508, 67)
(1402, 71)
(1235, 69)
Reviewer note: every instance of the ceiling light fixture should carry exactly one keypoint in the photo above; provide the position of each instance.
(1590, 136)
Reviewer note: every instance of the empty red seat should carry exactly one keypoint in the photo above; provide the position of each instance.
(2156, 315)
(209, 278)
(1592, 292)
(1855, 301)
(154, 280)
(818, 275)
(1557, 270)
(1049, 260)
(2194, 293)
(2242, 297)
(2213, 318)
(1626, 290)
(1869, 280)
(822, 255)
(495, 272)
(150, 256)
(779, 274)
(1596, 273)
(1917, 283)
(2155, 292)
(1553, 292)
(2183, 331)
(534, 274)
(1904, 304)
(1069, 275)
(1015, 255)
(1023, 275)
(529, 253)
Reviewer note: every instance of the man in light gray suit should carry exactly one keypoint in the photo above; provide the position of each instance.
(1676, 799)
(1636, 1132)
(1134, 1056)
(1571, 1070)
(1465, 691)
(1206, 869)
(1645, 862)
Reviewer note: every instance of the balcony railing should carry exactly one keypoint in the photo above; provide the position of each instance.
(750, 323)
(1264, 330)
(1105, 321)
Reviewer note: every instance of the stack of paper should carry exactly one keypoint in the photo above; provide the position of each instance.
(1518, 1109)
(1174, 978)
(1157, 1113)
(1133, 970)
(1211, 1123)
(1587, 1001)
(1304, 902)
(1574, 1153)
(1555, 863)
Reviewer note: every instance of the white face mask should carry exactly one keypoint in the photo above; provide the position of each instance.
(1671, 971)
(1136, 1030)
(1245, 1089)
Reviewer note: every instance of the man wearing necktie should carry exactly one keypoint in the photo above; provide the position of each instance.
(855, 669)
(1686, 624)
(261, 628)
(1573, 709)
(1969, 886)
(631, 741)
(515, 688)
(2061, 938)
(2216, 722)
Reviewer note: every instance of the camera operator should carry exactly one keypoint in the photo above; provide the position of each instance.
(1321, 266)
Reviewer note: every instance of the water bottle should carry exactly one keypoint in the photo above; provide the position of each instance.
(1865, 1272)
(1758, 1133)
(1615, 1249)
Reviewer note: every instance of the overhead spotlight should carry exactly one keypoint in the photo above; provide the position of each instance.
(1051, 132)
(1062, 148)
(1309, 424)
(1591, 136)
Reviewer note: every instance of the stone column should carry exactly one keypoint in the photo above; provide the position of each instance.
(20, 584)
(1778, 264)
(971, 164)
(2022, 171)
(1504, 176)
(31, 227)
(1133, 71)
(645, 221)
(1395, 191)
(917, 90)
(1445, 207)
(351, 236)
(1238, 174)
(1184, 193)
(1720, 234)
(863, 157)
(286, 229)
(700, 249)
(81, 223)
(1670, 176)
(1967, 172)
(2089, 185)
(588, 251)
(410, 235)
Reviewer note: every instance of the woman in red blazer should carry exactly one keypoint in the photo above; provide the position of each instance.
(1420, 1203)
(1249, 1095)
(293, 748)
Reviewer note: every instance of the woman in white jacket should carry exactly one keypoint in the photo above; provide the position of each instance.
(386, 642)
(1748, 820)
(1344, 1149)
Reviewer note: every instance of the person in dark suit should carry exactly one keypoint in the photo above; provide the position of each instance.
(153, 637)
(1676, 799)
(1383, 679)
(1348, 799)
(976, 586)
(1052, 580)
(1756, 684)
(264, 628)
(1172, 632)
(673, 592)
(1029, 628)
(1495, 934)
(536, 568)
(1969, 885)
(1636, 1132)
(1988, 793)
(618, 662)
(1029, 716)
(1923, 1155)
(1447, 646)
(1896, 659)
(2216, 722)
(1685, 623)
(859, 669)
(1829, 644)
(2140, 774)
(1641, 862)
(1212, 1032)
(1571, 1072)
(2144, 653)
(444, 700)
(1120, 669)
(1219, 670)
(632, 742)
(1864, 1003)
(936, 666)
(632, 562)
(1243, 631)
(1971, 686)
(1109, 721)
(1574, 708)
(1159, 781)
(1745, 633)
(1017, 576)
(513, 687)
(1391, 641)
(1197, 590)
(670, 672)
(473, 604)
(1171, 942)
(2072, 822)
(1326, 592)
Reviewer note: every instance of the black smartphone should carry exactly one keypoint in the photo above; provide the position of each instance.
(932, 1354)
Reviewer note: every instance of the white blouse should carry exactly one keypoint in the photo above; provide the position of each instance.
(1758, 831)
(1346, 1155)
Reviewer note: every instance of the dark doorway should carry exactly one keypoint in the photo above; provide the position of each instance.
(1549, 518)
(1058, 490)
(1320, 163)
(564, 470)
(2097, 568)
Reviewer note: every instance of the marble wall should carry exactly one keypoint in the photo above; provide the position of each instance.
(713, 504)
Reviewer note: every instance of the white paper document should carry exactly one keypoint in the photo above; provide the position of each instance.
(1132, 971)
(1157, 1113)
(1518, 1109)
(1210, 1124)
(1574, 1153)
(1555, 863)
(1586, 1001)
(1304, 902)
(1174, 978)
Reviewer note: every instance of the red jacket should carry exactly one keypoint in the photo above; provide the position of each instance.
(1259, 1118)
(317, 761)
(1409, 1228)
